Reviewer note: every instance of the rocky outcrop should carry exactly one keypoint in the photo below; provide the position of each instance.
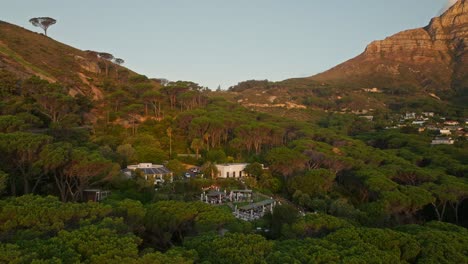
(433, 58)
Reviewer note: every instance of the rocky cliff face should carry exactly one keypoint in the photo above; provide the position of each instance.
(433, 58)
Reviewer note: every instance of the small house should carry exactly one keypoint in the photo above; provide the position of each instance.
(231, 170)
(442, 141)
(410, 116)
(445, 132)
(150, 171)
(95, 195)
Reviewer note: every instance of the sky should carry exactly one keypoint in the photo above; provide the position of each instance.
(221, 42)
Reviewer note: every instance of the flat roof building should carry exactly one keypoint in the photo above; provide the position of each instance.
(231, 170)
(150, 170)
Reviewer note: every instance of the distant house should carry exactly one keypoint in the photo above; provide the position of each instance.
(369, 117)
(231, 170)
(442, 141)
(451, 123)
(372, 90)
(445, 132)
(428, 114)
(418, 122)
(95, 195)
(150, 171)
(410, 116)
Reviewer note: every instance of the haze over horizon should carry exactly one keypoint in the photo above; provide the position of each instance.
(215, 43)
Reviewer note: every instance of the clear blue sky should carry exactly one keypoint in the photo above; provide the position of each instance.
(224, 42)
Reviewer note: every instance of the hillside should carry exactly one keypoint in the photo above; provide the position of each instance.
(337, 188)
(25, 53)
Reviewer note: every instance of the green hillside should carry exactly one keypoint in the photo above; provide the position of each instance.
(349, 189)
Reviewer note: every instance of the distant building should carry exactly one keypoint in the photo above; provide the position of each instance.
(445, 132)
(418, 122)
(369, 118)
(451, 123)
(150, 171)
(231, 170)
(410, 116)
(442, 141)
(428, 114)
(372, 90)
(95, 195)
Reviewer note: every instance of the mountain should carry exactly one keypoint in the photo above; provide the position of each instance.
(420, 69)
(431, 59)
(24, 53)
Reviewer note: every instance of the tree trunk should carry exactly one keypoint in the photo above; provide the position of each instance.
(170, 146)
(61, 188)
(107, 68)
(12, 186)
(159, 109)
(39, 179)
(27, 187)
(437, 212)
(443, 211)
(457, 204)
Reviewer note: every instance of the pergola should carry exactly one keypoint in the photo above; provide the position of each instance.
(255, 211)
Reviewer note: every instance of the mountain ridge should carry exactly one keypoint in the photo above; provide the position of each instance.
(432, 58)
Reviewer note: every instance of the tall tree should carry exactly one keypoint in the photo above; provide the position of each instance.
(74, 169)
(196, 145)
(56, 106)
(286, 161)
(133, 112)
(19, 153)
(84, 169)
(107, 57)
(43, 22)
(169, 134)
(154, 99)
(119, 62)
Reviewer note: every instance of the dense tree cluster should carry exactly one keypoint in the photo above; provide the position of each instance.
(44, 229)
(349, 191)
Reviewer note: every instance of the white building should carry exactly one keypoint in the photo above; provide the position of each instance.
(428, 114)
(231, 170)
(451, 123)
(150, 170)
(410, 116)
(418, 122)
(445, 132)
(442, 141)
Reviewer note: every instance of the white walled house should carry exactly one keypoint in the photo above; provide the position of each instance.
(150, 170)
(231, 170)
(445, 132)
(442, 141)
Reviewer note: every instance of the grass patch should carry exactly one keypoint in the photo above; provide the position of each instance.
(23, 62)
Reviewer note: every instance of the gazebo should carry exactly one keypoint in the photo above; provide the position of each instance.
(255, 211)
